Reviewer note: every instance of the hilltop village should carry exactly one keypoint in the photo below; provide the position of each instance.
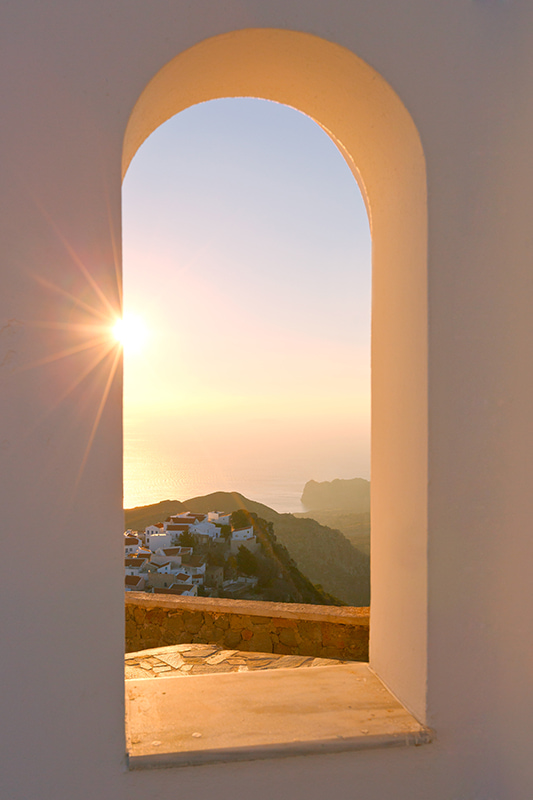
(192, 554)
(216, 554)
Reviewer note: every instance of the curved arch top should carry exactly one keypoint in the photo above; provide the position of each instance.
(377, 136)
(343, 94)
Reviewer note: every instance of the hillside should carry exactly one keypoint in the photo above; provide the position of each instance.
(280, 579)
(340, 495)
(322, 554)
(356, 527)
(326, 557)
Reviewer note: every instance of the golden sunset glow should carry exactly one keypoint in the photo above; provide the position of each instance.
(255, 374)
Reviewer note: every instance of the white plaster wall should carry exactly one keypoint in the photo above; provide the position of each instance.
(70, 75)
(242, 535)
(158, 541)
(205, 528)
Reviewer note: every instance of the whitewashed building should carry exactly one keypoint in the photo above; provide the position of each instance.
(205, 529)
(131, 544)
(158, 540)
(134, 583)
(242, 534)
(220, 517)
(135, 565)
(244, 537)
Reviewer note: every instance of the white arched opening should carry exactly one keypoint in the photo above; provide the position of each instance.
(379, 140)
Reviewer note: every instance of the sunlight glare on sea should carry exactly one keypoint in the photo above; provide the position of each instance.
(171, 467)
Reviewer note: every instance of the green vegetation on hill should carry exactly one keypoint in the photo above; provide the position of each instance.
(322, 554)
(327, 558)
(356, 527)
(279, 577)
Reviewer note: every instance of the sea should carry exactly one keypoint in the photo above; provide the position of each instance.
(280, 492)
(156, 470)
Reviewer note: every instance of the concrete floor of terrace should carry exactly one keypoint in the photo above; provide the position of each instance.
(237, 706)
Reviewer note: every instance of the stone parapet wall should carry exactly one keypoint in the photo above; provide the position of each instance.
(287, 628)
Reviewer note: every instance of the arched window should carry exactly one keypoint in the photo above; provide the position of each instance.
(379, 140)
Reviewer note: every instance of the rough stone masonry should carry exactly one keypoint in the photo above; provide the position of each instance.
(284, 628)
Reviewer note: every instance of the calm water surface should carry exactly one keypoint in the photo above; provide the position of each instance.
(174, 468)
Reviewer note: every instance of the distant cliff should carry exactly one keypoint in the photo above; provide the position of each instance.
(340, 495)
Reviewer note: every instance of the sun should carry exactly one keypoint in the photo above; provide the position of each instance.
(131, 333)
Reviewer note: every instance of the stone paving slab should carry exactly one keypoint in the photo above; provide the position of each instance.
(180, 661)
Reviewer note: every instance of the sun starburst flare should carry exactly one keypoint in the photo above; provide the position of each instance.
(131, 333)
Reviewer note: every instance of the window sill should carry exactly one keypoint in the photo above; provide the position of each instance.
(205, 719)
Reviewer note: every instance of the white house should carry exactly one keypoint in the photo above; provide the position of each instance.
(134, 565)
(159, 580)
(161, 558)
(171, 554)
(195, 567)
(175, 588)
(175, 529)
(196, 524)
(182, 578)
(220, 517)
(157, 540)
(244, 537)
(207, 529)
(187, 590)
(242, 534)
(162, 569)
(177, 553)
(158, 527)
(187, 516)
(131, 544)
(134, 583)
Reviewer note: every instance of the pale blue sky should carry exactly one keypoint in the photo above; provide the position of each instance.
(247, 252)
